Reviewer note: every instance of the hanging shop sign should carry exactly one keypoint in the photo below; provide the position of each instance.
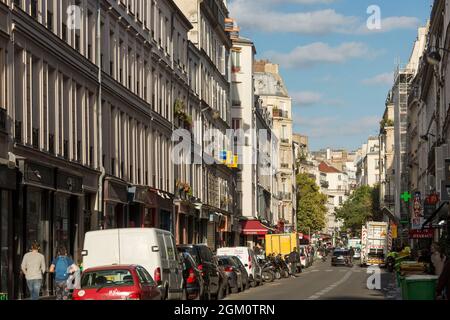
(417, 218)
(421, 234)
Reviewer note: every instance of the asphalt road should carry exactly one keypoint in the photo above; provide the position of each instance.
(323, 282)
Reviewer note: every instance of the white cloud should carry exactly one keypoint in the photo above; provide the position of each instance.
(380, 79)
(265, 16)
(310, 98)
(391, 23)
(330, 127)
(318, 52)
(306, 98)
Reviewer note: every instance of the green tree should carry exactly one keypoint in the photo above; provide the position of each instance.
(360, 207)
(311, 205)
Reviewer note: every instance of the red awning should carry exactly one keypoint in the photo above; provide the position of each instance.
(253, 228)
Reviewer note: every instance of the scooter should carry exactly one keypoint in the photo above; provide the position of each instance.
(268, 273)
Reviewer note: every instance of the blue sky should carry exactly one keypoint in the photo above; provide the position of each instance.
(337, 70)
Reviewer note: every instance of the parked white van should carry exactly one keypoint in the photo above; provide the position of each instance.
(153, 249)
(248, 259)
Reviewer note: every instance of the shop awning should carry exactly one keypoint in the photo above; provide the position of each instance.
(253, 228)
(434, 214)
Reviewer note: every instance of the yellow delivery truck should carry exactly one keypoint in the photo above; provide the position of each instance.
(281, 243)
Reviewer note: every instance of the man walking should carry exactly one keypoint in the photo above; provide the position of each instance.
(33, 267)
(294, 258)
(351, 253)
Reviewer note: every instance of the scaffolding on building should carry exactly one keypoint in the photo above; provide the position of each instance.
(403, 78)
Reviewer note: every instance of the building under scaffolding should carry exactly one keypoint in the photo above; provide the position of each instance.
(404, 77)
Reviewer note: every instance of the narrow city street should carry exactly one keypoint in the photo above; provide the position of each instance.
(323, 282)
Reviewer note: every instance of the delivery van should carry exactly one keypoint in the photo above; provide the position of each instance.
(153, 249)
(282, 244)
(248, 259)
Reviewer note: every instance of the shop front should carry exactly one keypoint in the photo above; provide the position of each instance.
(254, 232)
(115, 204)
(165, 211)
(184, 229)
(8, 188)
(143, 208)
(51, 202)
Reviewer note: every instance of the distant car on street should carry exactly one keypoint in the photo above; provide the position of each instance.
(357, 254)
(127, 282)
(339, 257)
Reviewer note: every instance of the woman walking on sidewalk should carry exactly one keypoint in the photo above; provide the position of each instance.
(437, 259)
(61, 267)
(33, 267)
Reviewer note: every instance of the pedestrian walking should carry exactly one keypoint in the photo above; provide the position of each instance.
(437, 259)
(33, 267)
(351, 253)
(62, 267)
(443, 286)
(294, 258)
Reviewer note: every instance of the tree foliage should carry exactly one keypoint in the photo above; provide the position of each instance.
(311, 205)
(360, 207)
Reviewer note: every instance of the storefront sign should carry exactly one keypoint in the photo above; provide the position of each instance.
(394, 231)
(67, 182)
(421, 234)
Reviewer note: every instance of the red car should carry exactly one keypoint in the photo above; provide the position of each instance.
(117, 283)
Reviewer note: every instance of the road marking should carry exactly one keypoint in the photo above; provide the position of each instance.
(329, 270)
(315, 271)
(331, 287)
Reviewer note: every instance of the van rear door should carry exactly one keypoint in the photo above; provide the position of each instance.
(101, 248)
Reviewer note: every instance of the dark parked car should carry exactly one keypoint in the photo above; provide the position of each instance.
(245, 277)
(233, 272)
(195, 284)
(339, 257)
(214, 278)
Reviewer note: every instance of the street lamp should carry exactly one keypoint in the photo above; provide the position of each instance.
(434, 57)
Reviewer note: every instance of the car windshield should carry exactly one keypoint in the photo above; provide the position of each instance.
(106, 278)
(340, 253)
(225, 262)
(192, 251)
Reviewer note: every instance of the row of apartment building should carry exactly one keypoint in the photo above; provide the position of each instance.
(414, 138)
(91, 92)
(334, 172)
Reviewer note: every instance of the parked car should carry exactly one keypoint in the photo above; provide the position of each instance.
(248, 259)
(245, 278)
(214, 278)
(339, 257)
(153, 249)
(195, 284)
(233, 272)
(126, 282)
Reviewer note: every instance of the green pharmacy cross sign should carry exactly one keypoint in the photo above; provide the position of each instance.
(406, 196)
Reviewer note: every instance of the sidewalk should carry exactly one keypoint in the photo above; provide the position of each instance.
(391, 291)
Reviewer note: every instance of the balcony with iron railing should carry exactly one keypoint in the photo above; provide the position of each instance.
(389, 199)
(277, 113)
(285, 196)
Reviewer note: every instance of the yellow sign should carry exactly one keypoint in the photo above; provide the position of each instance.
(394, 231)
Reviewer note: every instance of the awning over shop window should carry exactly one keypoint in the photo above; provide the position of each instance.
(253, 228)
